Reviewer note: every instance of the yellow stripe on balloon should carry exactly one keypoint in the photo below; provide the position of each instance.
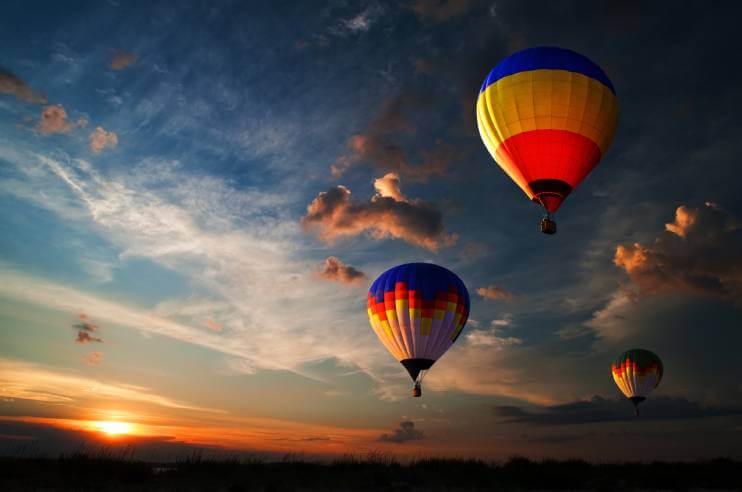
(547, 100)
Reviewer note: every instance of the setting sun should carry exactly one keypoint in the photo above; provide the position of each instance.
(113, 428)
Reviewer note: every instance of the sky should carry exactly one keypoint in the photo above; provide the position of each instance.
(168, 263)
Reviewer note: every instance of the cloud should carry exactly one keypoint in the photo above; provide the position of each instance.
(213, 325)
(240, 246)
(440, 10)
(388, 214)
(12, 84)
(54, 120)
(100, 139)
(85, 329)
(494, 293)
(490, 338)
(701, 251)
(28, 381)
(94, 358)
(363, 20)
(405, 432)
(338, 271)
(378, 145)
(121, 59)
(599, 409)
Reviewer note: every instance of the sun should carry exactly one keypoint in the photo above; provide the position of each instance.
(113, 428)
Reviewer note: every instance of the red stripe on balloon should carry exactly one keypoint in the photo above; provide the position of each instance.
(550, 154)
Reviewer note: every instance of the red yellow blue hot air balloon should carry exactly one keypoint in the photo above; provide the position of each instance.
(637, 372)
(547, 115)
(418, 311)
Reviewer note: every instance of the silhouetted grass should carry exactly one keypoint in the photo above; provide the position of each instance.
(102, 470)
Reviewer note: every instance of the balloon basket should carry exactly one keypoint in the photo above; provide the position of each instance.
(548, 226)
(417, 391)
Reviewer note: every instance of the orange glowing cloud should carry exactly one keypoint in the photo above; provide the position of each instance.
(700, 251)
(388, 214)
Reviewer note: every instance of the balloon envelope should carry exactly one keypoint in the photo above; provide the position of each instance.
(418, 311)
(547, 115)
(637, 372)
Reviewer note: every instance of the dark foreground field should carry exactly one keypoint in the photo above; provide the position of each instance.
(373, 472)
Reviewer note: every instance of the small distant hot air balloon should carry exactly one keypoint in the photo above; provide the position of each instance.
(418, 311)
(547, 115)
(636, 373)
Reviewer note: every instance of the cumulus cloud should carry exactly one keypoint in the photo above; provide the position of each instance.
(701, 251)
(389, 213)
(378, 145)
(13, 85)
(54, 120)
(100, 139)
(599, 409)
(85, 330)
(338, 271)
(121, 59)
(440, 10)
(405, 432)
(494, 293)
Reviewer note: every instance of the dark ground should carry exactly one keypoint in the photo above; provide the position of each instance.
(370, 473)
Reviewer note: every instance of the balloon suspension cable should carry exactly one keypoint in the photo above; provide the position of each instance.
(417, 390)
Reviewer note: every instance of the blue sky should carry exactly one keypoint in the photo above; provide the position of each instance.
(164, 205)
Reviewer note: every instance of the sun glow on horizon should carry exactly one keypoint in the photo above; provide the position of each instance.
(112, 428)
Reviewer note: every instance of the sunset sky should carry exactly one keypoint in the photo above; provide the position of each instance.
(164, 285)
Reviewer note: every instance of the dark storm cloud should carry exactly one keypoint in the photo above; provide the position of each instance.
(405, 432)
(380, 144)
(85, 330)
(700, 251)
(389, 213)
(337, 271)
(12, 84)
(599, 409)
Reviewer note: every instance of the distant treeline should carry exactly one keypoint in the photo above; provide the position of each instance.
(372, 472)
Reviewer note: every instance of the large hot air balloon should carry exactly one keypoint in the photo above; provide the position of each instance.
(547, 115)
(418, 311)
(636, 373)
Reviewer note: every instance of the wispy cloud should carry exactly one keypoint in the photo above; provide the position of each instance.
(238, 245)
(493, 292)
(122, 59)
(440, 10)
(380, 147)
(94, 358)
(362, 21)
(12, 84)
(28, 381)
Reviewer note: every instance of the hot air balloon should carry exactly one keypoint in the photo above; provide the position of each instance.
(547, 115)
(636, 373)
(418, 311)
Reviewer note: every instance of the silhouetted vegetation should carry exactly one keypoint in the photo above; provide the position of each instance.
(373, 471)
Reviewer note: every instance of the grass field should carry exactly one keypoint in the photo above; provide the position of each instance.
(370, 472)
